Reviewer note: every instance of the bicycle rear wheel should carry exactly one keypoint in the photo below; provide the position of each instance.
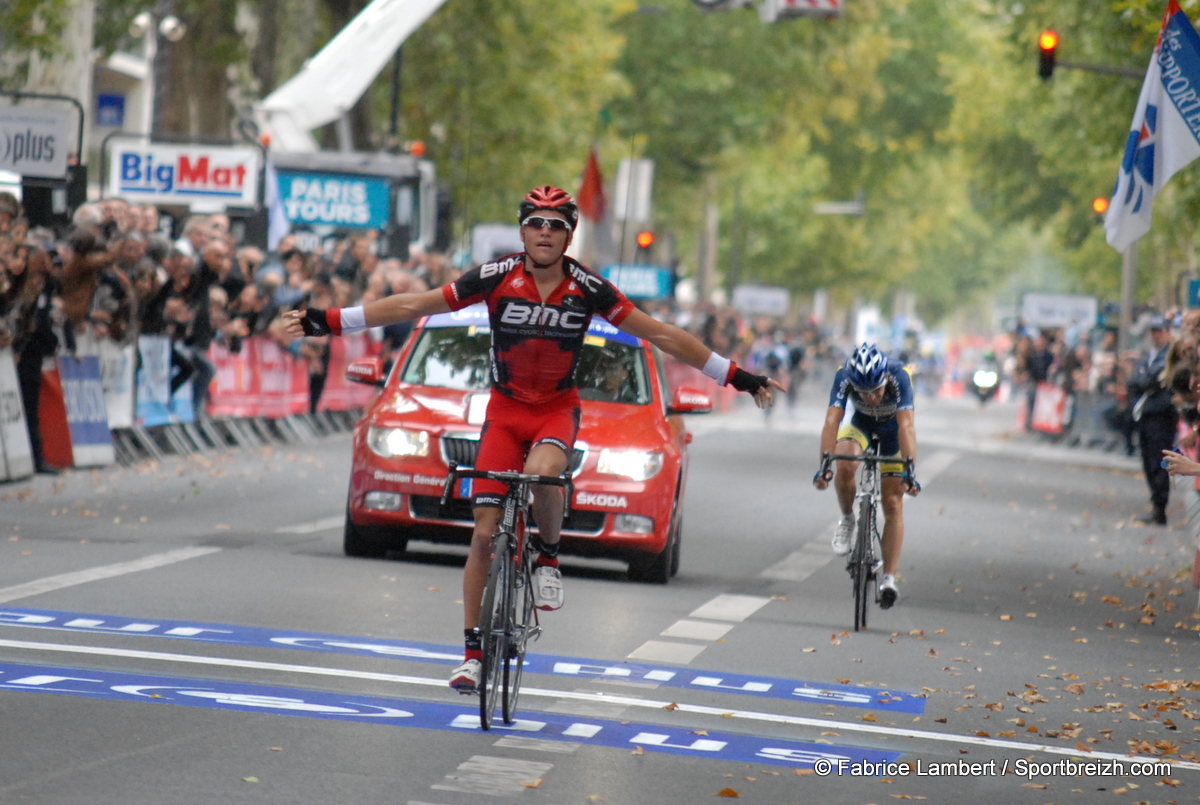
(494, 629)
(862, 563)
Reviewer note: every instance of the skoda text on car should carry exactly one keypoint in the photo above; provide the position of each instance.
(629, 464)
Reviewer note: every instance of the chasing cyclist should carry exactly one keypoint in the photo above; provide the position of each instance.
(539, 303)
(882, 396)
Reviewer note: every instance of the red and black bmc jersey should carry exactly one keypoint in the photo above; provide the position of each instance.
(536, 344)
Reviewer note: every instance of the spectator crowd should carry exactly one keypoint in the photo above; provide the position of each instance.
(116, 275)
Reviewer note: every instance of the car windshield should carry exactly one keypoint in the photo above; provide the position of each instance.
(457, 358)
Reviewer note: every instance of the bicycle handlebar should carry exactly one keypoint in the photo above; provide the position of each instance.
(510, 478)
(828, 458)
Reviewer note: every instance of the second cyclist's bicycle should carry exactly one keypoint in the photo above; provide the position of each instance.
(508, 619)
(866, 556)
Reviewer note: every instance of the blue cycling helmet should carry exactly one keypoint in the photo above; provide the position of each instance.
(867, 368)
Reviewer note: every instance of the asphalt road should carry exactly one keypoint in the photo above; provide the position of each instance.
(190, 632)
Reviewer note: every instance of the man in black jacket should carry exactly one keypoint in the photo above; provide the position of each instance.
(1155, 416)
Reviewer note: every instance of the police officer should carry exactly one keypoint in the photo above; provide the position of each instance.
(1155, 417)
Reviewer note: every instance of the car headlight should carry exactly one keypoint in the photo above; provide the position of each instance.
(637, 465)
(397, 442)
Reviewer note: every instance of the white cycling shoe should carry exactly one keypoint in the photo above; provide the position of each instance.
(888, 594)
(465, 678)
(843, 538)
(547, 588)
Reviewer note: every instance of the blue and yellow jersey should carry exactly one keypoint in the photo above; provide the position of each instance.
(897, 396)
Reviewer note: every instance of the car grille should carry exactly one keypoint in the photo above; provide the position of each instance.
(426, 507)
(464, 450)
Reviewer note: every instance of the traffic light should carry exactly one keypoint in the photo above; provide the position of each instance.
(644, 240)
(1047, 44)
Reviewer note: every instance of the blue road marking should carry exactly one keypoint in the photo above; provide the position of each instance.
(232, 696)
(762, 687)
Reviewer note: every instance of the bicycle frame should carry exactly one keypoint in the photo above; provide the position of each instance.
(508, 617)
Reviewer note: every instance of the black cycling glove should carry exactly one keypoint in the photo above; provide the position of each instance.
(822, 475)
(315, 323)
(744, 381)
(912, 483)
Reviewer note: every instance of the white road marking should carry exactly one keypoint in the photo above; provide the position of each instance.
(498, 776)
(817, 553)
(328, 524)
(799, 565)
(731, 607)
(536, 744)
(696, 630)
(52, 583)
(628, 701)
(661, 651)
(936, 464)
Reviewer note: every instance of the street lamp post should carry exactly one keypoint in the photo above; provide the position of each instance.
(143, 26)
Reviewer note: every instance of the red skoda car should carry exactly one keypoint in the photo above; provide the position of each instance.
(629, 463)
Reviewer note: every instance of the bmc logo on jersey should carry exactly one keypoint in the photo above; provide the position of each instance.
(492, 269)
(537, 315)
(589, 281)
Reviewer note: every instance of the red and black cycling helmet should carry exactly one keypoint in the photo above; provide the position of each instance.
(548, 197)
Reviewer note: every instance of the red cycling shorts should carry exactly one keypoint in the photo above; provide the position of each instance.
(511, 429)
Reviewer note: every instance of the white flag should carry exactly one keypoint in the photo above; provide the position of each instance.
(1165, 135)
(277, 220)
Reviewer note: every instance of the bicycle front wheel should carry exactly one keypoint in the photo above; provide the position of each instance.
(524, 616)
(494, 628)
(862, 563)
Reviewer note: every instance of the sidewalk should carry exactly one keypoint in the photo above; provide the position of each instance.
(957, 424)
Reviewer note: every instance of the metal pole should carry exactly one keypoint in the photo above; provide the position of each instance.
(1128, 284)
(394, 122)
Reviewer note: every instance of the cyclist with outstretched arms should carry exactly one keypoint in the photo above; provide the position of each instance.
(881, 394)
(540, 303)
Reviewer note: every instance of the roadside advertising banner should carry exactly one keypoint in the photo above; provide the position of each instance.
(339, 393)
(641, 282)
(262, 379)
(343, 200)
(1058, 310)
(116, 372)
(1049, 409)
(164, 173)
(155, 404)
(87, 415)
(16, 456)
(34, 139)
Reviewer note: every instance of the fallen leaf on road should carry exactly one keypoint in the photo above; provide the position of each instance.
(804, 772)
(810, 650)
(1006, 617)
(1074, 687)
(699, 732)
(535, 784)
(276, 748)
(250, 779)
(1082, 747)
(637, 750)
(940, 720)
(869, 717)
(833, 639)
(1038, 786)
(842, 681)
(672, 707)
(932, 653)
(917, 632)
(728, 792)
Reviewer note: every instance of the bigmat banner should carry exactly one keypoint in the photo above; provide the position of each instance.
(161, 173)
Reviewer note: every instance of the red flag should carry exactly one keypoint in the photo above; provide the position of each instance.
(592, 203)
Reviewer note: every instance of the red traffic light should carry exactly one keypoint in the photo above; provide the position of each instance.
(1100, 205)
(645, 239)
(1047, 45)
